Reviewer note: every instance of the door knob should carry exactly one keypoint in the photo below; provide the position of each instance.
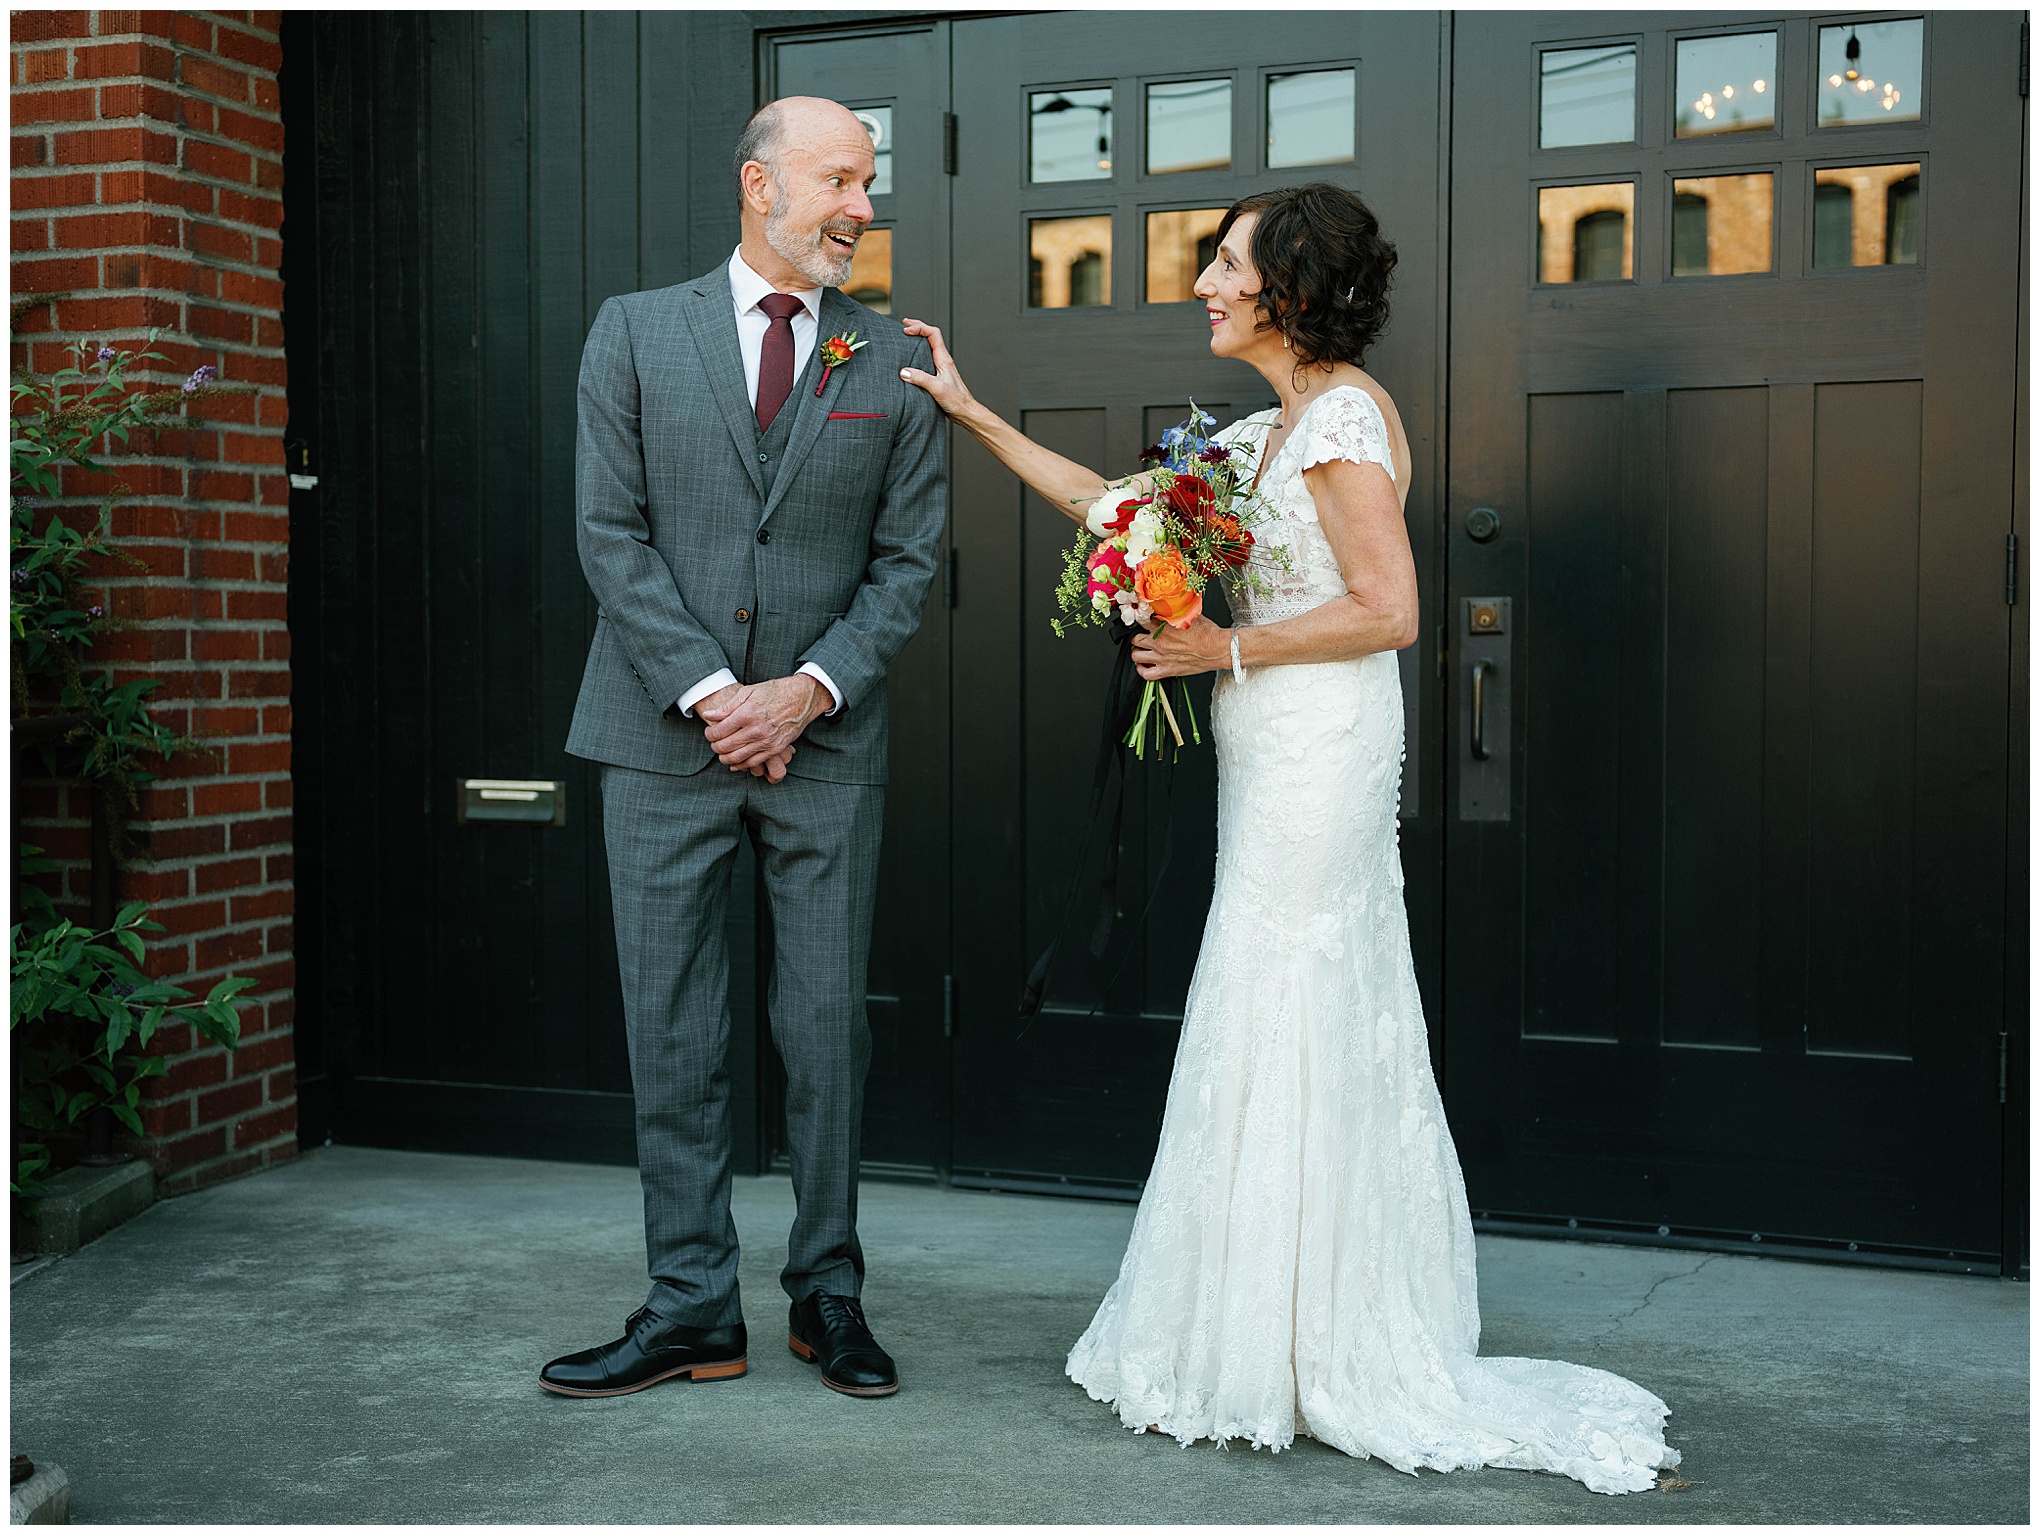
(1483, 523)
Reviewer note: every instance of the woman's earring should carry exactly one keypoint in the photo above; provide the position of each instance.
(1285, 343)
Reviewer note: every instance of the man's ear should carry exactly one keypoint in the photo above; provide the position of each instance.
(757, 188)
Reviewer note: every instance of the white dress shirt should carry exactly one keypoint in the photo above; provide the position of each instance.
(746, 289)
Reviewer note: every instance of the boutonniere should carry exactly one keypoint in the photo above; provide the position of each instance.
(836, 351)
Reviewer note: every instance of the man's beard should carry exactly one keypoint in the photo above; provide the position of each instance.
(806, 255)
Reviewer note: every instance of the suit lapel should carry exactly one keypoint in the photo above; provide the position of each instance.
(712, 316)
(811, 411)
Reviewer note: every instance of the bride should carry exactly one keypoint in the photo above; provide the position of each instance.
(1303, 1258)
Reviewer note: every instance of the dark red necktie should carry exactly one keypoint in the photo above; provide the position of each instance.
(775, 362)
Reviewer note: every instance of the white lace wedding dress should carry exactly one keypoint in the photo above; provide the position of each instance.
(1303, 1260)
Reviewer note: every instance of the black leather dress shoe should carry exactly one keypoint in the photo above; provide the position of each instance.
(650, 1350)
(829, 1330)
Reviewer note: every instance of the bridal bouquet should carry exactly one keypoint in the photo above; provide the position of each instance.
(1146, 555)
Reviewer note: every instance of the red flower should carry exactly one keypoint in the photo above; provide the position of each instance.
(1235, 543)
(1109, 572)
(1190, 498)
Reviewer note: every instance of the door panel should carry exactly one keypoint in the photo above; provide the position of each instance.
(1073, 1099)
(1732, 969)
(906, 1109)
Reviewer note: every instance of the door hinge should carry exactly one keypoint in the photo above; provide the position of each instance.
(2011, 570)
(2022, 59)
(949, 1007)
(2002, 1038)
(949, 579)
(949, 143)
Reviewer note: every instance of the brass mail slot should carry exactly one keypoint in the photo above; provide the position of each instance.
(534, 801)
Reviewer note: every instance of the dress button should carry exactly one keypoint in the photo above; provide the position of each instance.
(764, 536)
(743, 615)
(764, 458)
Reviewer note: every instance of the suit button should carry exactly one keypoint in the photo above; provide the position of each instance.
(743, 615)
(764, 458)
(764, 536)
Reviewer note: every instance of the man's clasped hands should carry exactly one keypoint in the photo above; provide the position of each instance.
(753, 726)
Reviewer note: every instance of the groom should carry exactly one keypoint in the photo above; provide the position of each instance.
(759, 529)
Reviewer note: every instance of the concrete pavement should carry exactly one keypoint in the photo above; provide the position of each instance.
(354, 1337)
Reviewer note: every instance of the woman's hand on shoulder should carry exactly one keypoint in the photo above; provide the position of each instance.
(945, 385)
(1200, 646)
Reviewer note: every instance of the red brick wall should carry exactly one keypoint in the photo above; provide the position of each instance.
(147, 191)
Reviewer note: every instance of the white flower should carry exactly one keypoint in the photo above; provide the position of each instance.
(1132, 609)
(1105, 511)
(1144, 537)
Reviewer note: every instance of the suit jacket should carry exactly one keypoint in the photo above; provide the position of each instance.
(695, 565)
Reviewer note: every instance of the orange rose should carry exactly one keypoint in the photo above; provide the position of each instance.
(1163, 583)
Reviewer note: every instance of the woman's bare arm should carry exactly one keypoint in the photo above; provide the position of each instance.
(1061, 482)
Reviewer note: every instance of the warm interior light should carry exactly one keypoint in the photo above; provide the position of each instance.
(1834, 79)
(1727, 91)
(1758, 87)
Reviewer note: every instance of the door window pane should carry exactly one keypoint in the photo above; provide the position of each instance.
(1310, 118)
(1180, 245)
(1069, 261)
(1587, 96)
(871, 271)
(1584, 232)
(1866, 215)
(1870, 72)
(1726, 84)
(1189, 126)
(1721, 225)
(878, 123)
(1069, 135)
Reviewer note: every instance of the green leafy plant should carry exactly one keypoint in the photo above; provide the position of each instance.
(56, 421)
(82, 1015)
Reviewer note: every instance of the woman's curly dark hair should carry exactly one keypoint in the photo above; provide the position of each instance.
(1325, 270)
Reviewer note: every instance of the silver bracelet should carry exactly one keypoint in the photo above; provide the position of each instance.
(1239, 673)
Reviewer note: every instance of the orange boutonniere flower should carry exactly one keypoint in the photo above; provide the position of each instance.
(836, 351)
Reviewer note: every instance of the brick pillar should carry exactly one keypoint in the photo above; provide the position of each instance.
(147, 191)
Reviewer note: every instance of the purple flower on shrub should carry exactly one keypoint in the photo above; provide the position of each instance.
(20, 578)
(96, 611)
(106, 354)
(201, 375)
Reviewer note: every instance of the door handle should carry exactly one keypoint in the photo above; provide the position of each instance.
(1480, 675)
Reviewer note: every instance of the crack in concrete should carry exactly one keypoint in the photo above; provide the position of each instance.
(1651, 1293)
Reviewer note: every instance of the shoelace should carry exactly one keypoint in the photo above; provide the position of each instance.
(829, 1308)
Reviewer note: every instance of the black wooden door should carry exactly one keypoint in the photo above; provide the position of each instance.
(463, 192)
(1727, 899)
(1093, 152)
(897, 80)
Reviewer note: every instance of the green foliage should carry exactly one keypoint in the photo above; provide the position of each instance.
(57, 421)
(82, 1015)
(82, 1012)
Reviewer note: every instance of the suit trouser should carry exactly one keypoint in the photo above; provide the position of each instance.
(672, 842)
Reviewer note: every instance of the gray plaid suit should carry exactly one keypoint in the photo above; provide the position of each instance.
(709, 544)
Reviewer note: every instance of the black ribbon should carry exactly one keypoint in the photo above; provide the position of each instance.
(1122, 698)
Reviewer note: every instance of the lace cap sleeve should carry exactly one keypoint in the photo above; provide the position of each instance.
(1346, 423)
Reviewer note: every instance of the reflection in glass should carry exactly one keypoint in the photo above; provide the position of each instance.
(1069, 261)
(1721, 225)
(1310, 118)
(1727, 84)
(1866, 215)
(1189, 126)
(1180, 245)
(878, 123)
(1069, 135)
(870, 281)
(1870, 72)
(1584, 232)
(1587, 96)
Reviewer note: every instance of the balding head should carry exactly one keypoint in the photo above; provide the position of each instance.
(803, 165)
(792, 121)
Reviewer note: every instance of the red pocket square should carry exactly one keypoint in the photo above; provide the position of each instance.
(856, 415)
